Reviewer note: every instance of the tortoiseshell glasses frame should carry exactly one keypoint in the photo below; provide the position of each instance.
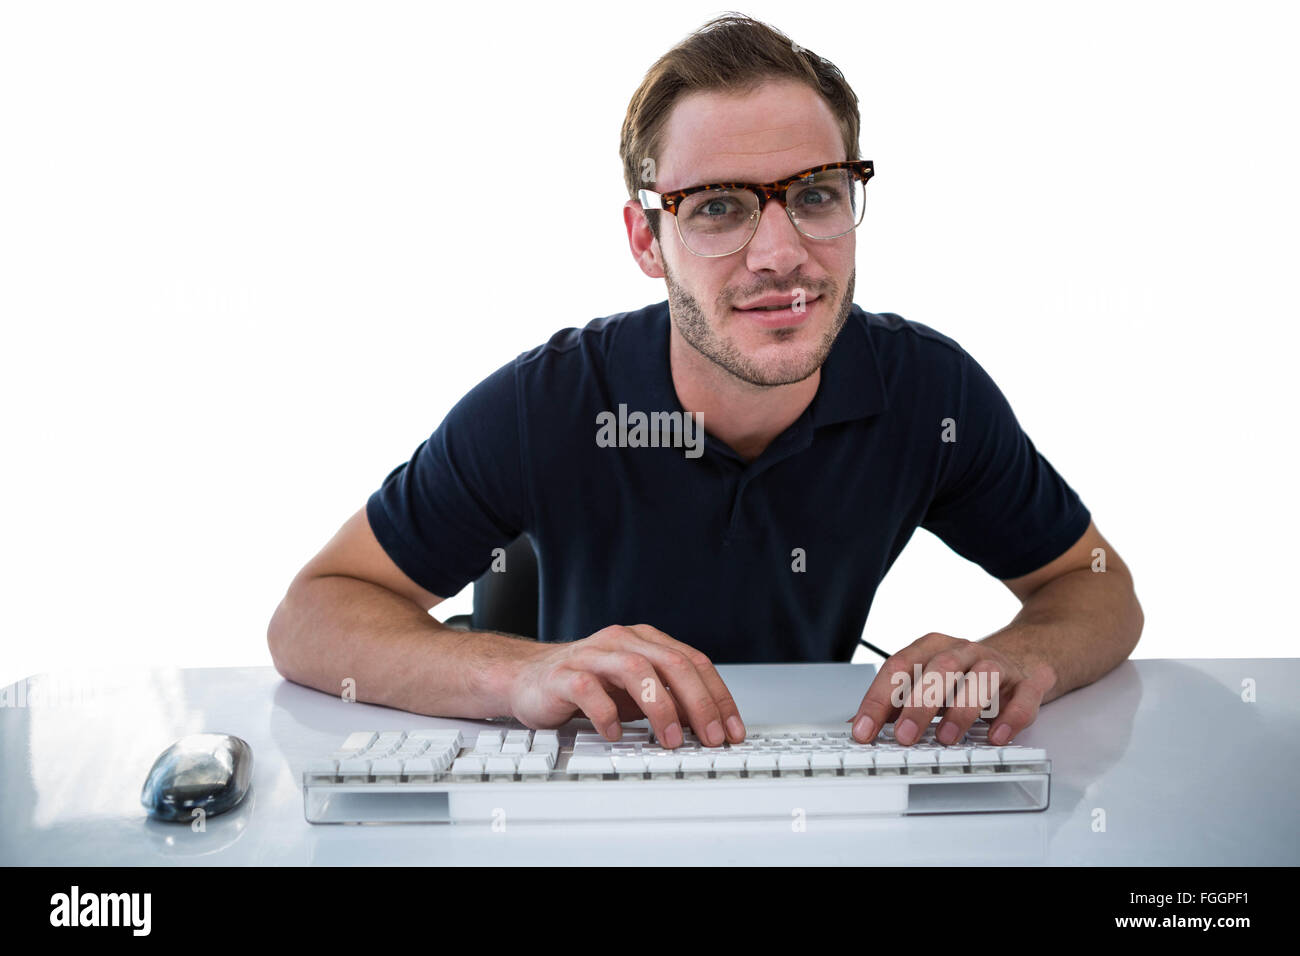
(861, 171)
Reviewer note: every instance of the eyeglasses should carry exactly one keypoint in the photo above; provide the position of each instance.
(824, 202)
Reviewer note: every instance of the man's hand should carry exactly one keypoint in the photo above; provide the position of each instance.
(1017, 693)
(622, 673)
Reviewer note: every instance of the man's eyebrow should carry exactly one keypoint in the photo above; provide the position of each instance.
(737, 179)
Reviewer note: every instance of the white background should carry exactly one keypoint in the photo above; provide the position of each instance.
(238, 287)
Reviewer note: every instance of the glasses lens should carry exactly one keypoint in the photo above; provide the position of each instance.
(827, 204)
(716, 222)
(824, 205)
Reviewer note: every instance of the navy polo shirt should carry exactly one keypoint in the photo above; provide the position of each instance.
(777, 559)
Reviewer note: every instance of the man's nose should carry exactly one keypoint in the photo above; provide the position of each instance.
(777, 245)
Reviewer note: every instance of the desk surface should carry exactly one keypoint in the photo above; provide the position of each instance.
(1185, 771)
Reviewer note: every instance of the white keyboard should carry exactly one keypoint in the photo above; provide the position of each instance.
(502, 775)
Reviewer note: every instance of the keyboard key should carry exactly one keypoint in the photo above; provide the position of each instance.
(488, 742)
(354, 767)
(324, 767)
(359, 740)
(629, 763)
(792, 762)
(590, 764)
(860, 759)
(500, 763)
(388, 768)
(888, 761)
(469, 765)
(760, 763)
(1018, 755)
(589, 747)
(536, 763)
(950, 759)
(419, 768)
(826, 760)
(697, 763)
(728, 763)
(921, 760)
(665, 763)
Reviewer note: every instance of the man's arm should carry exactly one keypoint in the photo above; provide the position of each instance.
(1076, 623)
(1076, 618)
(998, 496)
(353, 614)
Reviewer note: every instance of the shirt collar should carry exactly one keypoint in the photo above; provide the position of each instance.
(852, 385)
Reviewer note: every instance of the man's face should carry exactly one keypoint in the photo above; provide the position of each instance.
(780, 129)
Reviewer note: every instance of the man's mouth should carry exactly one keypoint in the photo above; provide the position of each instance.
(775, 311)
(776, 302)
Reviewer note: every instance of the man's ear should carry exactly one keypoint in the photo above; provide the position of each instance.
(642, 242)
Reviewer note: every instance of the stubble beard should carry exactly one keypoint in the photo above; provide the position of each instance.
(694, 327)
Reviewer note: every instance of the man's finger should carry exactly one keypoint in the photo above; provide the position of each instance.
(583, 689)
(970, 700)
(635, 673)
(888, 693)
(725, 704)
(940, 677)
(1018, 712)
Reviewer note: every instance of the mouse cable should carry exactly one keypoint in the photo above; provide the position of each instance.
(872, 647)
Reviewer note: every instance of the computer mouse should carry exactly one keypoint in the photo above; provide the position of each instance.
(208, 772)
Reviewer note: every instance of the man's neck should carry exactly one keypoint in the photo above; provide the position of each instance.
(747, 417)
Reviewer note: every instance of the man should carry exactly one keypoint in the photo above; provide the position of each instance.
(829, 435)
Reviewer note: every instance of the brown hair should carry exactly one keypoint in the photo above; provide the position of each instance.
(732, 53)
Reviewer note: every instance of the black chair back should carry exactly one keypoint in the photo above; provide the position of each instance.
(507, 600)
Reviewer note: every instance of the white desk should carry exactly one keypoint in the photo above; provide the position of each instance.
(1186, 772)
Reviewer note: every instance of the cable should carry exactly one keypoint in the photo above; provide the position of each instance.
(872, 647)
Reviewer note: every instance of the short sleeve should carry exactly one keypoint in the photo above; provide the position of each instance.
(440, 515)
(1000, 503)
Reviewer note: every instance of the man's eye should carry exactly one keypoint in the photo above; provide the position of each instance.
(819, 196)
(715, 208)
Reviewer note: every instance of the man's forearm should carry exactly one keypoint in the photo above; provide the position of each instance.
(1082, 625)
(330, 629)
